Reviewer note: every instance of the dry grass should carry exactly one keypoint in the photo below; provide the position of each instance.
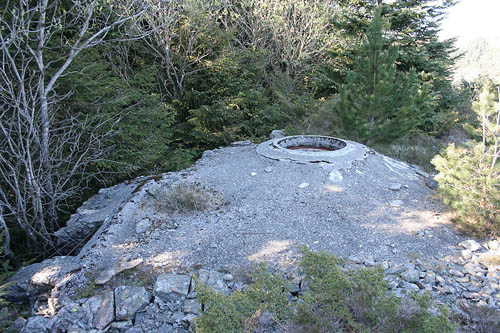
(186, 198)
(491, 258)
(418, 150)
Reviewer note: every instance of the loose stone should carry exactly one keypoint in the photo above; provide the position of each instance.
(129, 300)
(471, 245)
(396, 203)
(456, 273)
(395, 187)
(172, 287)
(411, 275)
(396, 269)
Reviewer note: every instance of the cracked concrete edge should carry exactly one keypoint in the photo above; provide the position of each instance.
(338, 159)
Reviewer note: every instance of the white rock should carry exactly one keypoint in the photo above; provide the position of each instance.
(456, 273)
(253, 174)
(369, 261)
(242, 143)
(172, 287)
(142, 226)
(105, 276)
(276, 134)
(396, 269)
(494, 244)
(335, 176)
(355, 259)
(466, 254)
(422, 173)
(303, 185)
(268, 169)
(470, 245)
(395, 187)
(396, 203)
(411, 275)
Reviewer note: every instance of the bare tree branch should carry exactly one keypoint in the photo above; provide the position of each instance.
(45, 151)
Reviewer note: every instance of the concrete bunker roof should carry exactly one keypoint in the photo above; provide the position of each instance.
(341, 154)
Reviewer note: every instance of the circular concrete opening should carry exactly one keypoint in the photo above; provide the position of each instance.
(310, 143)
(312, 149)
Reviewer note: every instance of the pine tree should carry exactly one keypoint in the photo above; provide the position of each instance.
(378, 102)
(413, 26)
(469, 175)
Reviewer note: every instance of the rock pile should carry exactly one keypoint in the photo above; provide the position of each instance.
(171, 305)
(457, 281)
(168, 306)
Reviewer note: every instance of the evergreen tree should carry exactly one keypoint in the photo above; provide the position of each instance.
(413, 26)
(469, 175)
(378, 103)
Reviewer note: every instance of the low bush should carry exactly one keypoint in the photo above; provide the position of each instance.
(337, 300)
(239, 311)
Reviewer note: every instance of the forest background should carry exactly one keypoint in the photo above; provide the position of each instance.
(95, 92)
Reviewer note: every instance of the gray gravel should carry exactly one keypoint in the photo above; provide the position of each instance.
(268, 214)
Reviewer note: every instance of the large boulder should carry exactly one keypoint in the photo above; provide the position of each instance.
(36, 324)
(130, 300)
(102, 308)
(32, 280)
(91, 215)
(172, 287)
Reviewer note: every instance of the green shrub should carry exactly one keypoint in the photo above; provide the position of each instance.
(358, 300)
(237, 312)
(469, 175)
(471, 186)
(336, 300)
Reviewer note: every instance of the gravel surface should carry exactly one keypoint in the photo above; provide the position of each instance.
(380, 208)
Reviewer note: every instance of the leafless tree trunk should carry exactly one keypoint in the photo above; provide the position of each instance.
(45, 150)
(5, 235)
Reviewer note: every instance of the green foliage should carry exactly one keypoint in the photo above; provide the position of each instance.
(379, 103)
(469, 175)
(413, 26)
(233, 313)
(336, 300)
(129, 105)
(470, 185)
(229, 102)
(357, 300)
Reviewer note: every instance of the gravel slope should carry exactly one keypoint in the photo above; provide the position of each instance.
(273, 207)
